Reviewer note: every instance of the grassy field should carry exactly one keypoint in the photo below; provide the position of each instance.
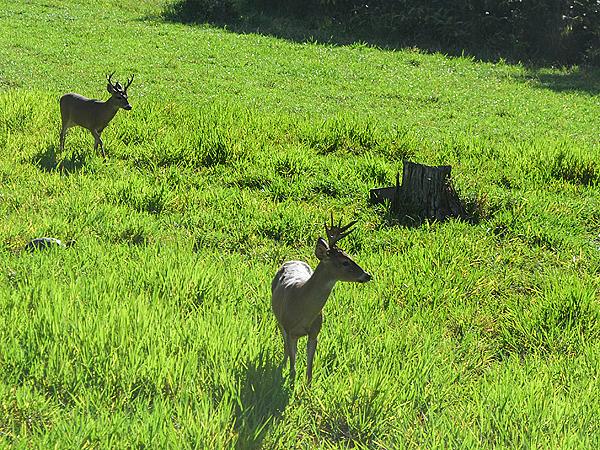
(155, 329)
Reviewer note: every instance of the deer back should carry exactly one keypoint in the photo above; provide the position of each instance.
(88, 113)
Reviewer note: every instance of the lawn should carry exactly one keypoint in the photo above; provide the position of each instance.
(155, 331)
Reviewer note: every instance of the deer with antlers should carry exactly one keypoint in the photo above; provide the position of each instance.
(299, 293)
(91, 114)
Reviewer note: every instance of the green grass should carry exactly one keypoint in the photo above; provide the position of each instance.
(155, 329)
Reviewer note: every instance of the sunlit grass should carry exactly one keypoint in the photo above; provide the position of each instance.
(155, 330)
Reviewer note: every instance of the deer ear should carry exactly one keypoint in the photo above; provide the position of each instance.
(321, 249)
(110, 89)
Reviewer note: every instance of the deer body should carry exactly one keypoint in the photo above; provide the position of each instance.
(94, 115)
(299, 294)
(88, 113)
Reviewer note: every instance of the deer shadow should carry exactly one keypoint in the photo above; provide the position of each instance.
(47, 161)
(263, 398)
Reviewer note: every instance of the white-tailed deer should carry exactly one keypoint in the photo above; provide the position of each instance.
(299, 294)
(91, 114)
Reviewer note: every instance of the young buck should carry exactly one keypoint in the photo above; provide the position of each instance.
(299, 294)
(91, 114)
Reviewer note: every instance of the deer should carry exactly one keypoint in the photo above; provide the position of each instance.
(299, 294)
(91, 114)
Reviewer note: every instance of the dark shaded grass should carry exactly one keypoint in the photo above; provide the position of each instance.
(295, 22)
(263, 400)
(575, 168)
(48, 162)
(559, 321)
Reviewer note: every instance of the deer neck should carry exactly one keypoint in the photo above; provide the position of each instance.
(317, 289)
(110, 109)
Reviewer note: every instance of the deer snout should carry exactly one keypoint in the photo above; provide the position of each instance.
(127, 107)
(365, 277)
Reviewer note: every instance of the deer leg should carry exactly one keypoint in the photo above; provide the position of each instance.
(285, 349)
(98, 141)
(311, 347)
(292, 345)
(63, 132)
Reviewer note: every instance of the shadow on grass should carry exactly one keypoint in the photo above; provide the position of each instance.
(575, 80)
(46, 161)
(407, 216)
(263, 400)
(302, 28)
(472, 209)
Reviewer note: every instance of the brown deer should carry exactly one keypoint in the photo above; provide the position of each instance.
(299, 294)
(91, 114)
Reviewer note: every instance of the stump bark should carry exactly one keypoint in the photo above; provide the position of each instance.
(426, 192)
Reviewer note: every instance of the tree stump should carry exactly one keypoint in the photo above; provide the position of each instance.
(426, 192)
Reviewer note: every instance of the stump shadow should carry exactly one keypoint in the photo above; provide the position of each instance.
(263, 400)
(407, 215)
(47, 161)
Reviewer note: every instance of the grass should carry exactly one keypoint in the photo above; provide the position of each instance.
(155, 329)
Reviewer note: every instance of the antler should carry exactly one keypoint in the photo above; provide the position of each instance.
(336, 233)
(117, 86)
(108, 77)
(129, 81)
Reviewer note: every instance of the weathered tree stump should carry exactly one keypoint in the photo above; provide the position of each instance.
(426, 192)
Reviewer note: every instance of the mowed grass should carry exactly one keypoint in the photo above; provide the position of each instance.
(155, 329)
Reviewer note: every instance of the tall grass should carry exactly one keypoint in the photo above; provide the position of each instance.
(154, 329)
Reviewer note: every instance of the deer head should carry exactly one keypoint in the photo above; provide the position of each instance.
(338, 261)
(118, 92)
